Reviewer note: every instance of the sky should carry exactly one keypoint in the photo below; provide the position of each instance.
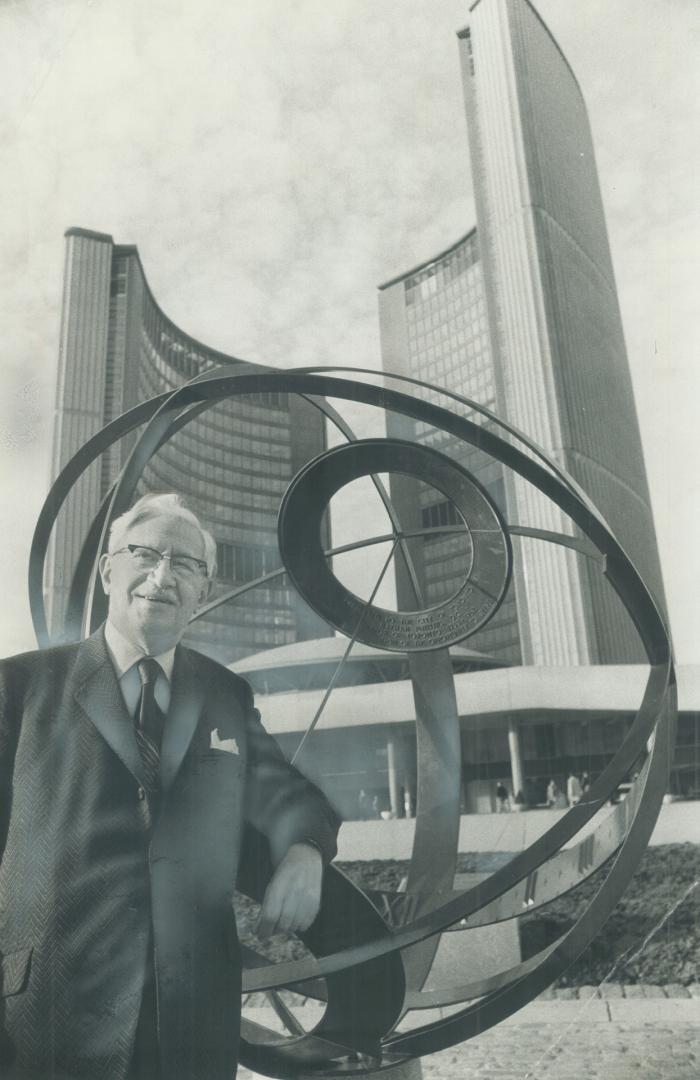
(276, 161)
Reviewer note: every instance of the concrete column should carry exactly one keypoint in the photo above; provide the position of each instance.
(516, 761)
(392, 753)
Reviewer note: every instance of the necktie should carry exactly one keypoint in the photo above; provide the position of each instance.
(149, 724)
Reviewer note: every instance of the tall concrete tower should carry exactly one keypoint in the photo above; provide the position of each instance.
(531, 325)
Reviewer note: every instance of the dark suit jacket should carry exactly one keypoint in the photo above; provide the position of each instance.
(87, 877)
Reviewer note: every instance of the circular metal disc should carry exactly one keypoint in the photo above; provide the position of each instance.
(487, 573)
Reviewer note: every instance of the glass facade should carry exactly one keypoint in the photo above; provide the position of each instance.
(231, 463)
(444, 325)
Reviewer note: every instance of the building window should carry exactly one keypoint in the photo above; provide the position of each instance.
(245, 562)
(470, 50)
(272, 398)
(442, 513)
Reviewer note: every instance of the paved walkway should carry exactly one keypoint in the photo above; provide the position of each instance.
(575, 1047)
(586, 1033)
(608, 1033)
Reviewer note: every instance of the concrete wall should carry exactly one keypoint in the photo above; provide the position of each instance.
(678, 823)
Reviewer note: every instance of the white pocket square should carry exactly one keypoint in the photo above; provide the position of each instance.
(230, 746)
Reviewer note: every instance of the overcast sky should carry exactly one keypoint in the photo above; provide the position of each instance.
(276, 161)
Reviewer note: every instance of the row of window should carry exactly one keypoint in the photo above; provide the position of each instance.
(241, 642)
(239, 472)
(453, 307)
(171, 477)
(464, 349)
(459, 372)
(277, 600)
(462, 292)
(237, 432)
(168, 354)
(244, 562)
(426, 282)
(447, 315)
(444, 334)
(243, 471)
(450, 570)
(253, 615)
(459, 296)
(441, 513)
(163, 340)
(470, 457)
(451, 349)
(448, 338)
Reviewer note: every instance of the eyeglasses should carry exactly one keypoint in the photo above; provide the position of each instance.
(147, 558)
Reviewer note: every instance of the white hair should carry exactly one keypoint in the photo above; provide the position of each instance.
(168, 505)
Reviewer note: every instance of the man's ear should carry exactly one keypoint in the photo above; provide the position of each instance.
(105, 568)
(204, 593)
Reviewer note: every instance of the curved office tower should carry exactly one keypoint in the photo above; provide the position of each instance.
(523, 315)
(232, 464)
(430, 320)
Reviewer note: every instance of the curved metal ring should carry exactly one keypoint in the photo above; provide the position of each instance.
(657, 707)
(486, 578)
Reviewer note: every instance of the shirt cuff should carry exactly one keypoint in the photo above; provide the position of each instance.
(313, 844)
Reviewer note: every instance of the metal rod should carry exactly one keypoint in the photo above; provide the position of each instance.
(341, 662)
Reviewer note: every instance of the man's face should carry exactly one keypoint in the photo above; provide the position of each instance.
(152, 608)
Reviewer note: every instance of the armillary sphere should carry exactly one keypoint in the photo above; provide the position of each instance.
(371, 957)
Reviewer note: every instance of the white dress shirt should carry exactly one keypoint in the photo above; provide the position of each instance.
(125, 656)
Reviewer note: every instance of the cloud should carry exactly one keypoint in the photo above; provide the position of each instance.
(276, 161)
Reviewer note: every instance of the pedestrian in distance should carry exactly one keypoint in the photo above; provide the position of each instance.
(573, 789)
(502, 798)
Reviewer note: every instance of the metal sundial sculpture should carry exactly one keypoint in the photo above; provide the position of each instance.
(370, 963)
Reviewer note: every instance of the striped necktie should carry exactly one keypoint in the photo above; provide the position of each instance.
(149, 724)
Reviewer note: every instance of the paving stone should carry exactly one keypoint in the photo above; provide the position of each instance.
(610, 991)
(694, 990)
(566, 993)
(676, 990)
(634, 992)
(654, 1042)
(625, 1053)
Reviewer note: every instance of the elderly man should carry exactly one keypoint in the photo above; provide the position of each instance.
(128, 767)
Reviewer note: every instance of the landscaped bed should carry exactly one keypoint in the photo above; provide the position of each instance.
(652, 936)
(660, 910)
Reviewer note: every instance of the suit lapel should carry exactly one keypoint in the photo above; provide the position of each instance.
(186, 704)
(98, 694)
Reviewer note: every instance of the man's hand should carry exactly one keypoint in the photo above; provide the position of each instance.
(293, 896)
